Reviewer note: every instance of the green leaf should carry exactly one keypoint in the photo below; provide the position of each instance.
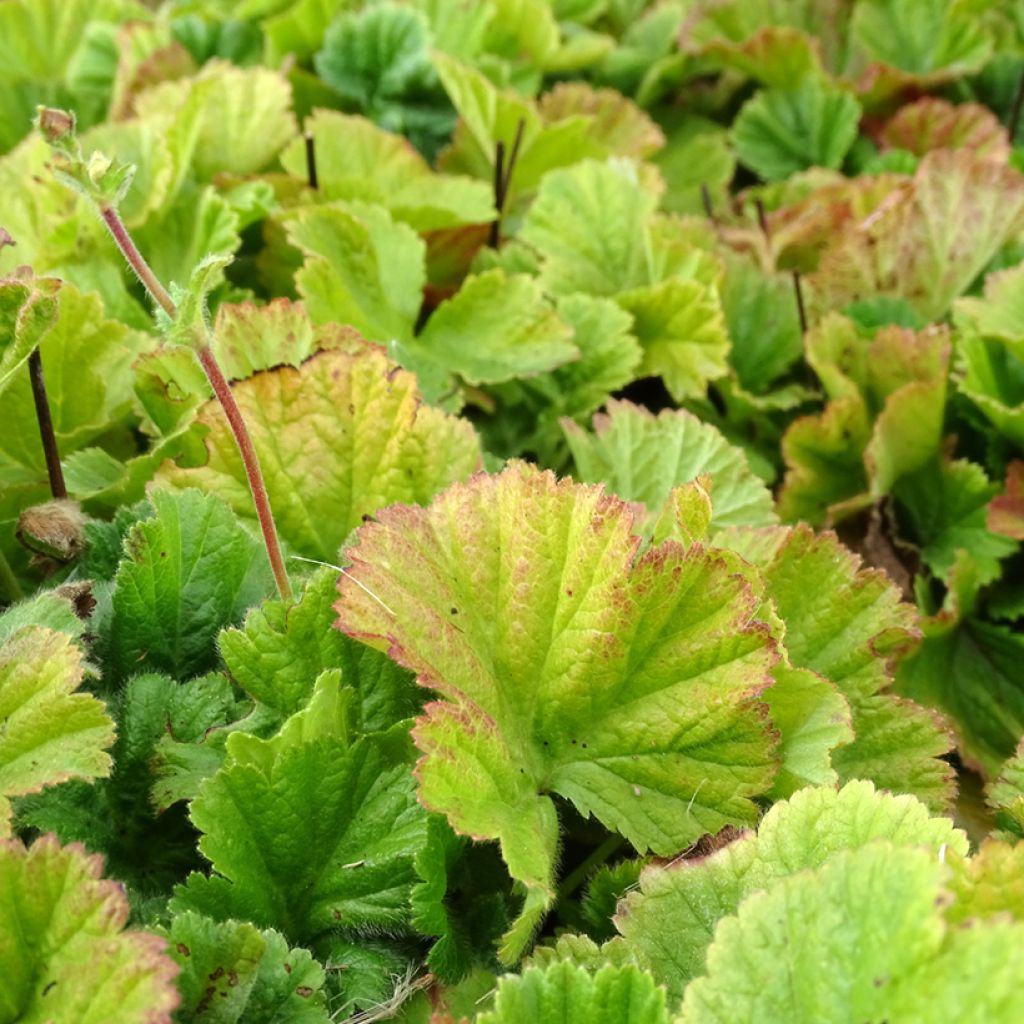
(190, 571)
(356, 160)
(563, 992)
(49, 608)
(339, 437)
(489, 600)
(807, 947)
(589, 224)
(642, 457)
(763, 322)
(361, 268)
(813, 719)
(846, 623)
(379, 60)
(488, 115)
(697, 152)
(87, 363)
(947, 504)
(676, 914)
(116, 815)
(345, 858)
(233, 972)
(1000, 313)
(883, 422)
(495, 328)
(50, 732)
(972, 672)
(681, 329)
(28, 308)
(64, 952)
(931, 36)
(1006, 797)
(282, 649)
(782, 131)
(237, 119)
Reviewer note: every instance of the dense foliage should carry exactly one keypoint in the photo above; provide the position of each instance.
(639, 394)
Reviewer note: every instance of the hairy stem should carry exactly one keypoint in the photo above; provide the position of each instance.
(222, 390)
(582, 872)
(46, 433)
(142, 269)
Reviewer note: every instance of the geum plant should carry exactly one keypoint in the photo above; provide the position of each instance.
(185, 321)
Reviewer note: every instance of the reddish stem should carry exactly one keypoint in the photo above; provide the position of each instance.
(135, 260)
(221, 389)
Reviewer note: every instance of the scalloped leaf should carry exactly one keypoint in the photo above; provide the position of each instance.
(642, 457)
(235, 120)
(681, 328)
(232, 972)
(495, 328)
(282, 648)
(28, 308)
(847, 623)
(64, 952)
(589, 223)
(670, 922)
(339, 437)
(188, 572)
(51, 733)
(344, 860)
(533, 690)
(933, 123)
(928, 241)
(781, 131)
(563, 993)
(361, 268)
(356, 160)
(809, 947)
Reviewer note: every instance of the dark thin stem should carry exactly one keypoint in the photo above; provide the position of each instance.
(311, 161)
(762, 218)
(142, 269)
(251, 461)
(1018, 103)
(705, 198)
(499, 183)
(798, 288)
(513, 156)
(222, 390)
(46, 434)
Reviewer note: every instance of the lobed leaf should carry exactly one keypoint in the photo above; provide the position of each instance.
(522, 603)
(339, 437)
(50, 732)
(62, 944)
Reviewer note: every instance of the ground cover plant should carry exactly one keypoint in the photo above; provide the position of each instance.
(510, 511)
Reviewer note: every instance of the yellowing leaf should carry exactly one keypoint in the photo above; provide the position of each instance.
(48, 732)
(566, 664)
(339, 437)
(63, 950)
